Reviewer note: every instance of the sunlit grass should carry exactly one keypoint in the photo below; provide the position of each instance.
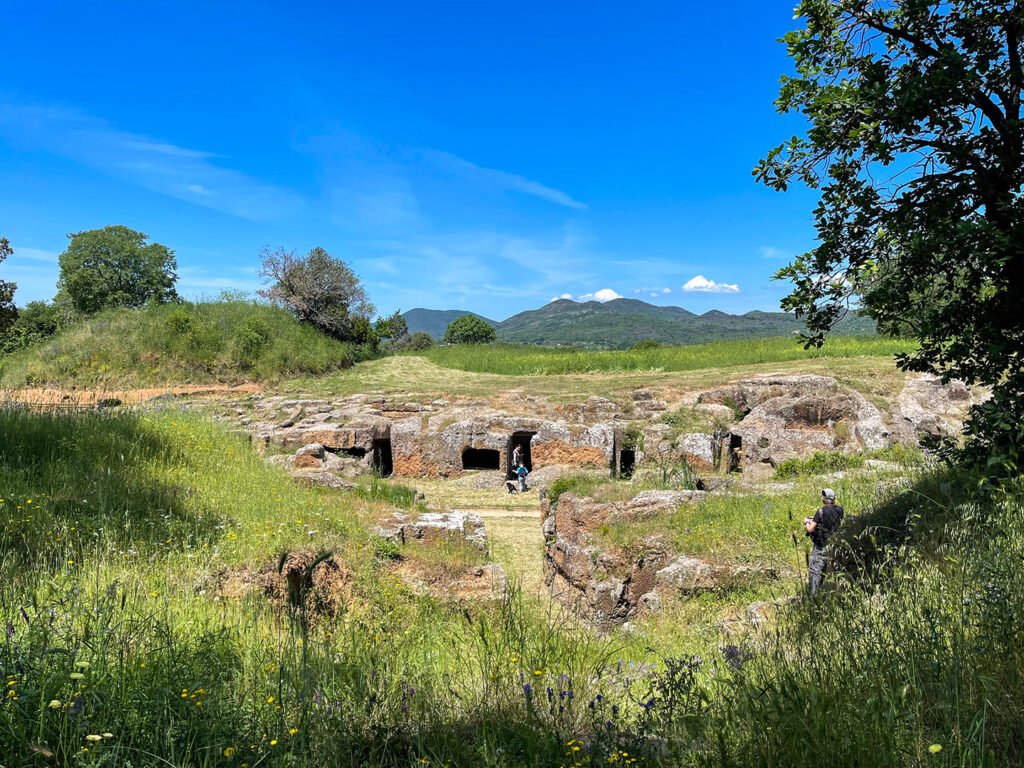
(532, 361)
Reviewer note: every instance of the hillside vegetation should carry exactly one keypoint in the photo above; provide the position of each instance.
(620, 323)
(531, 361)
(226, 341)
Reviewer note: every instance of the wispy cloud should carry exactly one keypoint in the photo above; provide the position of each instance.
(701, 284)
(771, 252)
(180, 172)
(501, 179)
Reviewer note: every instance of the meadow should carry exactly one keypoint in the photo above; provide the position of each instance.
(138, 630)
(514, 360)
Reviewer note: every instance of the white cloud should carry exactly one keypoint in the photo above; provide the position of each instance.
(502, 179)
(655, 295)
(703, 285)
(770, 252)
(179, 172)
(666, 290)
(605, 294)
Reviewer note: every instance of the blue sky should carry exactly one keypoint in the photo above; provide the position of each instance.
(480, 156)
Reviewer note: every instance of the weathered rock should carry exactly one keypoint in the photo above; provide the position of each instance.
(435, 528)
(319, 477)
(928, 408)
(789, 417)
(688, 574)
(478, 582)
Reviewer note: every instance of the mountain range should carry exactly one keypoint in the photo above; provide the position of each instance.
(621, 323)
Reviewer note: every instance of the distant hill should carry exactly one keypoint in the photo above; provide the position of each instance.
(436, 321)
(623, 322)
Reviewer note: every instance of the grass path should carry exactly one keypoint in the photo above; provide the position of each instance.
(517, 543)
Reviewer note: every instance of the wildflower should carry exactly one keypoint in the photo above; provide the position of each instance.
(229, 752)
(273, 742)
(54, 704)
(93, 737)
(935, 749)
(82, 664)
(108, 735)
(293, 731)
(270, 700)
(76, 675)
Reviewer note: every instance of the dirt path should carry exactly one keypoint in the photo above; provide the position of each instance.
(517, 543)
(85, 397)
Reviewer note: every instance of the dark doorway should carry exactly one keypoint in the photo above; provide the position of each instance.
(522, 441)
(355, 453)
(627, 460)
(481, 458)
(382, 462)
(735, 453)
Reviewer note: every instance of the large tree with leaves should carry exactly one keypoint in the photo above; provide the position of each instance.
(8, 312)
(916, 144)
(115, 267)
(321, 290)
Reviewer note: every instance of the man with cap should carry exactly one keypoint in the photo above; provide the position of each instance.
(820, 528)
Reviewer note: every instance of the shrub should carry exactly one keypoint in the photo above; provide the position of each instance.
(251, 337)
(646, 344)
(420, 341)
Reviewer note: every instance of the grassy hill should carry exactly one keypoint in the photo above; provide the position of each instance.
(227, 341)
(435, 321)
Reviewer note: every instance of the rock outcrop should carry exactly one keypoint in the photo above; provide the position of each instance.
(608, 585)
(435, 528)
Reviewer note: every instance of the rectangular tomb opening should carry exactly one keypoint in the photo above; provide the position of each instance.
(383, 463)
(520, 440)
(481, 458)
(627, 462)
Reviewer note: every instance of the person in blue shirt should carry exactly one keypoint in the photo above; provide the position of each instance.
(521, 473)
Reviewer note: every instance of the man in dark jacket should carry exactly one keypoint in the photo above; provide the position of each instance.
(820, 528)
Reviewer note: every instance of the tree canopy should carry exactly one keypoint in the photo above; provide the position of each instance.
(393, 329)
(318, 289)
(115, 267)
(916, 144)
(8, 312)
(469, 329)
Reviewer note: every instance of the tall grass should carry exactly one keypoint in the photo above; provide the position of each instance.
(511, 360)
(229, 341)
(116, 618)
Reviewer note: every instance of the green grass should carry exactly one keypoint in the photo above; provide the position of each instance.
(117, 619)
(513, 360)
(229, 341)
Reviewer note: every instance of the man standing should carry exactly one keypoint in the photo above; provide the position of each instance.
(820, 528)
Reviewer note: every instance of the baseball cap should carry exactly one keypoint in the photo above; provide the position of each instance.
(829, 494)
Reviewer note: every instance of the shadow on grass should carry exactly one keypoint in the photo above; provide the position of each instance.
(74, 481)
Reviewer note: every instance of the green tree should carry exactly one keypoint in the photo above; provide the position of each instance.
(469, 329)
(8, 312)
(116, 267)
(420, 341)
(393, 329)
(318, 289)
(916, 145)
